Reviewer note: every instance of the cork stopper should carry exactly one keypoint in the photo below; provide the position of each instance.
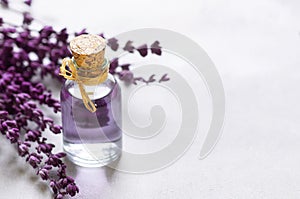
(88, 50)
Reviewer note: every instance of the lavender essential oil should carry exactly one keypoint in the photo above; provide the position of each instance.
(91, 105)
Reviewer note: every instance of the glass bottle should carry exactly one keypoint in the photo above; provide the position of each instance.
(91, 137)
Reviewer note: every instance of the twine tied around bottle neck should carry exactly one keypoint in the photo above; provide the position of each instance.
(87, 67)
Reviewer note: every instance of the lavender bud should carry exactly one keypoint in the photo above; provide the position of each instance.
(23, 96)
(56, 129)
(3, 114)
(27, 18)
(44, 173)
(4, 3)
(13, 135)
(45, 148)
(128, 47)
(59, 196)
(155, 48)
(48, 121)
(25, 86)
(70, 180)
(114, 63)
(52, 184)
(34, 159)
(23, 149)
(60, 155)
(143, 50)
(31, 136)
(28, 2)
(46, 31)
(113, 44)
(9, 124)
(126, 76)
(71, 190)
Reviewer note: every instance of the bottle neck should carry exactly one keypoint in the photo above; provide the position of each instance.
(92, 75)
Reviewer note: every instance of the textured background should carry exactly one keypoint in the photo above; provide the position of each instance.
(255, 45)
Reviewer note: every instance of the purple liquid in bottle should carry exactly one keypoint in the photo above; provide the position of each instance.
(92, 139)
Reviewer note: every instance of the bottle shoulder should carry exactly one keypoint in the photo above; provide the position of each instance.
(110, 81)
(95, 91)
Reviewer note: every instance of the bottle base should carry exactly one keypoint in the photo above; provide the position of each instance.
(93, 155)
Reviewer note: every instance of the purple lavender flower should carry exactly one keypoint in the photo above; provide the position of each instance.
(72, 189)
(54, 160)
(143, 50)
(56, 129)
(4, 3)
(155, 48)
(126, 76)
(45, 147)
(9, 124)
(44, 172)
(62, 36)
(23, 148)
(3, 114)
(125, 66)
(34, 159)
(32, 135)
(114, 63)
(48, 121)
(46, 31)
(59, 196)
(83, 31)
(27, 18)
(13, 135)
(23, 53)
(28, 2)
(129, 47)
(113, 44)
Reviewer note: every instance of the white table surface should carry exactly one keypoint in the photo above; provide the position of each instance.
(255, 46)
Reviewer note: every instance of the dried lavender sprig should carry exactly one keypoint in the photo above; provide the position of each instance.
(18, 45)
(5, 3)
(18, 108)
(34, 148)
